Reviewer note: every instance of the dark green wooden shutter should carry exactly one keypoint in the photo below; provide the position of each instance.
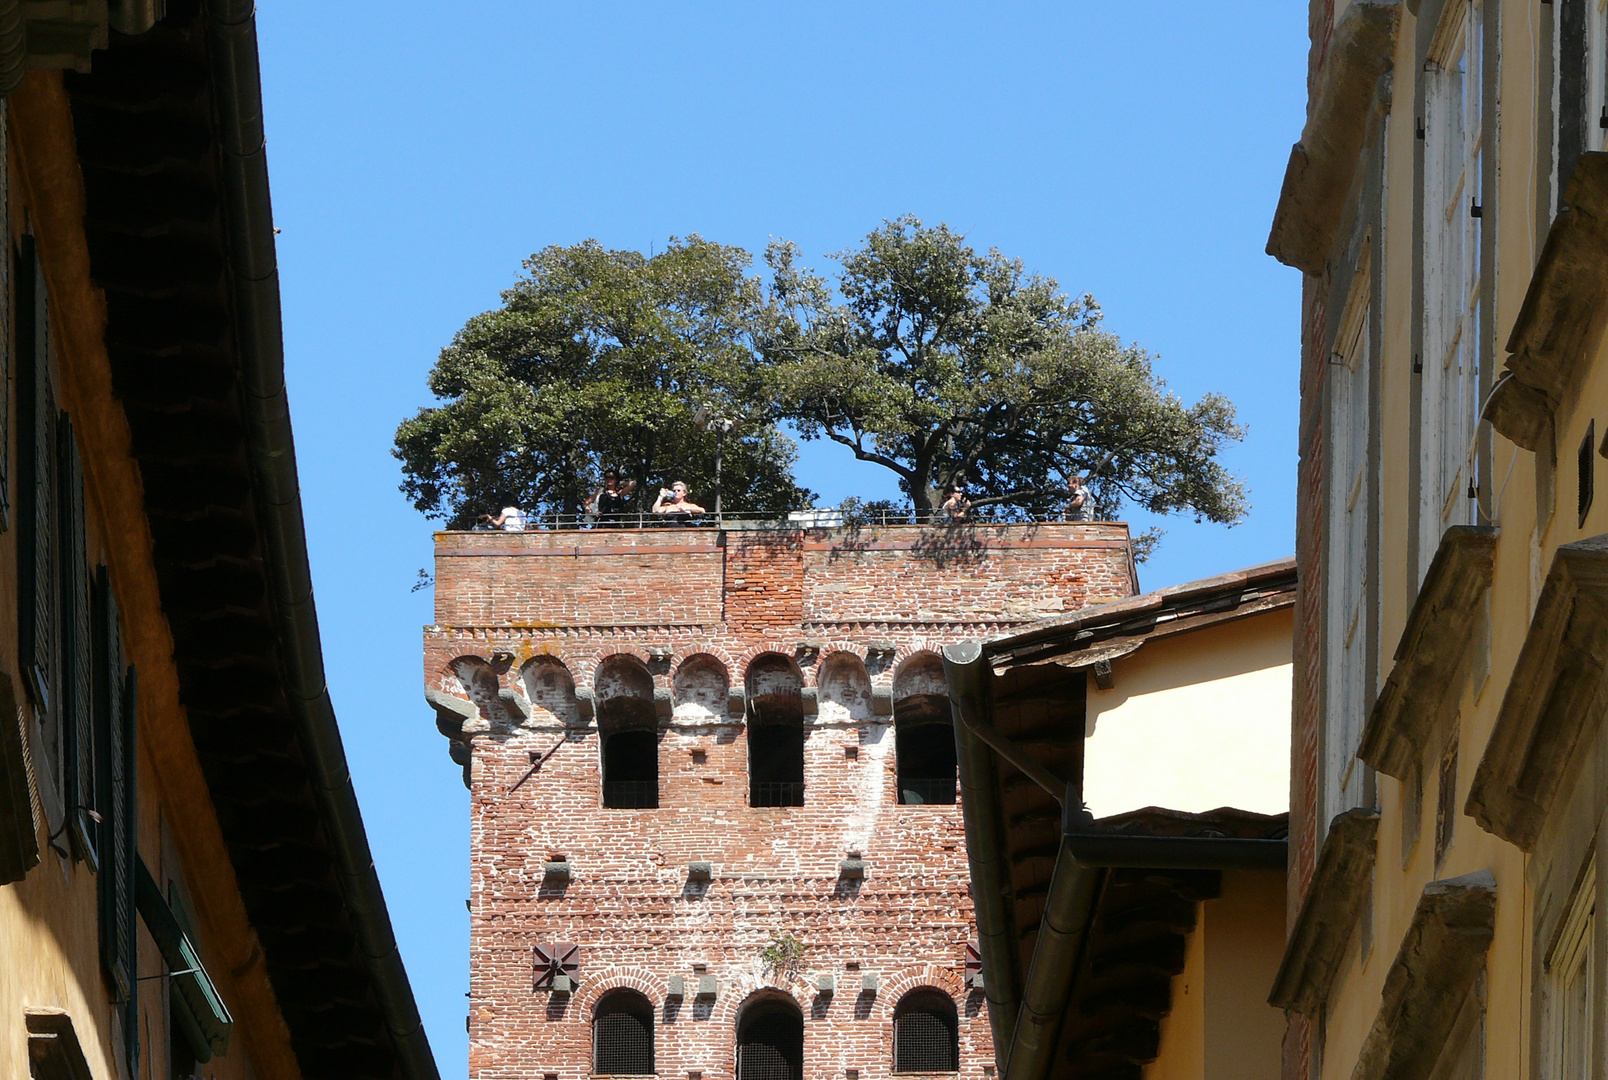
(113, 754)
(6, 332)
(36, 602)
(78, 733)
(126, 796)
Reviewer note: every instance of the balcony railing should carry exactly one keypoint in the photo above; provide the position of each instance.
(797, 519)
(776, 793)
(918, 792)
(631, 794)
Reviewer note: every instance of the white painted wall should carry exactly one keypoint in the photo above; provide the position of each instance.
(1195, 722)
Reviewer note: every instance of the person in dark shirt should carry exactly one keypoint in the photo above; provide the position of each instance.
(610, 502)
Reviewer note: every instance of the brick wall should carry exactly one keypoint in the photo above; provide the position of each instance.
(536, 630)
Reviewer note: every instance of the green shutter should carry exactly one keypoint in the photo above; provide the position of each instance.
(113, 755)
(5, 331)
(78, 733)
(197, 1007)
(126, 771)
(19, 838)
(36, 601)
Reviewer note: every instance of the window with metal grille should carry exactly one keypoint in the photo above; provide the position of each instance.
(631, 770)
(622, 1035)
(926, 1033)
(924, 744)
(775, 731)
(770, 1042)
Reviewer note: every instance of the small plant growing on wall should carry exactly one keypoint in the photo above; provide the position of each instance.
(784, 957)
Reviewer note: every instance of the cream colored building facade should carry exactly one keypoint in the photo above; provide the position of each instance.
(1446, 204)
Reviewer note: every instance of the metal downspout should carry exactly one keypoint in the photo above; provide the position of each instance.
(1062, 932)
(232, 46)
(985, 847)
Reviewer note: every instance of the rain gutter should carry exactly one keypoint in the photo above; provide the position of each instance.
(236, 79)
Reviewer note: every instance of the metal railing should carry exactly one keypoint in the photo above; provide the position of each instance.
(776, 793)
(796, 519)
(922, 792)
(631, 794)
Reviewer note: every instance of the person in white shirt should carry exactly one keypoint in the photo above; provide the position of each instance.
(512, 519)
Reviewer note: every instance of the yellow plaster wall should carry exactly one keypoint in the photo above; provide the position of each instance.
(1221, 1026)
(1195, 722)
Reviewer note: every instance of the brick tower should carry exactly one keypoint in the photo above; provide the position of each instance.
(713, 821)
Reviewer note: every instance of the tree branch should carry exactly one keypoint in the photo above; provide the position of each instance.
(869, 455)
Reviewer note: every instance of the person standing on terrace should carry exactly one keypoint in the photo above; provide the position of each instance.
(610, 502)
(673, 500)
(1080, 505)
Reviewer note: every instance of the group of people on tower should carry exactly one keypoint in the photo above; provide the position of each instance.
(1079, 506)
(610, 503)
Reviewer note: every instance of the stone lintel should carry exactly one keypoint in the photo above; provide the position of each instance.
(1323, 164)
(1441, 957)
(1563, 311)
(1520, 412)
(1422, 688)
(1317, 941)
(1552, 698)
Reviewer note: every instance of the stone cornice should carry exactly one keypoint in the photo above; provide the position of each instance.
(1440, 958)
(1423, 686)
(1318, 939)
(1323, 164)
(1563, 310)
(1551, 698)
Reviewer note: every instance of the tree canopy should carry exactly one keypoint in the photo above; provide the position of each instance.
(598, 359)
(949, 366)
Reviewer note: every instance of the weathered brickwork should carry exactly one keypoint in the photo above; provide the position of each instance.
(547, 642)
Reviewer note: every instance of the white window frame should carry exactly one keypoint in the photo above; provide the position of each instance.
(1571, 973)
(1346, 634)
(1453, 319)
(1596, 72)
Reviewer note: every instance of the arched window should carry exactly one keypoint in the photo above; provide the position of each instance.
(924, 732)
(622, 1035)
(770, 1041)
(775, 732)
(926, 1033)
(629, 731)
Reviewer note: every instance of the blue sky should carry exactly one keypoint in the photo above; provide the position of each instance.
(418, 153)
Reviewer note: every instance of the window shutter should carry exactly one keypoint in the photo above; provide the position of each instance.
(78, 735)
(5, 332)
(113, 755)
(125, 793)
(35, 547)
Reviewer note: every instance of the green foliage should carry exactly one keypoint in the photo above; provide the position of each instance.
(945, 365)
(597, 359)
(784, 958)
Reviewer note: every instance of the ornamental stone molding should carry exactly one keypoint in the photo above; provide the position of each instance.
(1440, 960)
(1323, 165)
(1339, 888)
(1562, 317)
(1552, 699)
(1425, 683)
